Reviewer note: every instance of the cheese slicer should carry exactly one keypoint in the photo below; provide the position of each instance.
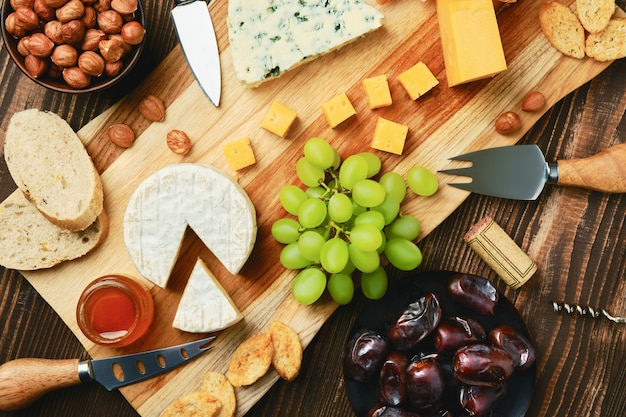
(23, 381)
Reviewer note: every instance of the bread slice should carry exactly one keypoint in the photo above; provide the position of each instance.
(29, 241)
(608, 44)
(595, 14)
(51, 166)
(563, 29)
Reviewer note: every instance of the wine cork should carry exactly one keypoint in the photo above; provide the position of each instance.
(500, 252)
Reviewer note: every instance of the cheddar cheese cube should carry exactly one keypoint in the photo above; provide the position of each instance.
(470, 38)
(389, 136)
(239, 153)
(338, 109)
(279, 119)
(377, 91)
(417, 80)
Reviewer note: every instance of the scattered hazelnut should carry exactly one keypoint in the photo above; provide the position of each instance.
(27, 17)
(91, 63)
(124, 6)
(507, 123)
(76, 78)
(133, 33)
(112, 69)
(40, 45)
(111, 49)
(73, 31)
(110, 21)
(71, 10)
(35, 66)
(152, 108)
(178, 142)
(22, 46)
(52, 29)
(533, 101)
(121, 134)
(64, 56)
(44, 11)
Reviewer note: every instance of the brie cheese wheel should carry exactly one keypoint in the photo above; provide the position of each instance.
(205, 306)
(270, 37)
(211, 203)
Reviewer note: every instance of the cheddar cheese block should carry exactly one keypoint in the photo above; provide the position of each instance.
(185, 195)
(270, 37)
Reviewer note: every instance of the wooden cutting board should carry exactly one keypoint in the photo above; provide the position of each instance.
(444, 123)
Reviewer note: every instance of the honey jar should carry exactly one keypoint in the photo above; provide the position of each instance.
(114, 311)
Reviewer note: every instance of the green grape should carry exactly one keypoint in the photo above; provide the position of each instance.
(366, 237)
(291, 258)
(319, 153)
(374, 284)
(312, 213)
(334, 256)
(309, 174)
(286, 230)
(352, 170)
(291, 197)
(394, 184)
(357, 209)
(314, 192)
(340, 208)
(403, 254)
(371, 217)
(336, 160)
(405, 227)
(363, 261)
(310, 244)
(341, 288)
(389, 208)
(383, 245)
(349, 268)
(368, 193)
(422, 181)
(309, 285)
(373, 163)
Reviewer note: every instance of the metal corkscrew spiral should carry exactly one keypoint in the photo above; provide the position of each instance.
(586, 311)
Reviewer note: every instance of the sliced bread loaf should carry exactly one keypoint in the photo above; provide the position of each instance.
(609, 43)
(563, 29)
(51, 166)
(29, 241)
(595, 14)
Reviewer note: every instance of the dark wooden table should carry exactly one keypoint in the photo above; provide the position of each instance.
(577, 238)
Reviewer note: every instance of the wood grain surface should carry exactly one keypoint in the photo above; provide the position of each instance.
(575, 236)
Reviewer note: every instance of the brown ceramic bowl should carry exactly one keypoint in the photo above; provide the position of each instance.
(58, 84)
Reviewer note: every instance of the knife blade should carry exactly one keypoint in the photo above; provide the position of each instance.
(23, 381)
(196, 34)
(521, 172)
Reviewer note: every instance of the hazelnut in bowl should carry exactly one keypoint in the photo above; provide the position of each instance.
(74, 46)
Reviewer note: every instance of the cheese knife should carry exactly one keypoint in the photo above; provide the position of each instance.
(197, 38)
(520, 172)
(23, 381)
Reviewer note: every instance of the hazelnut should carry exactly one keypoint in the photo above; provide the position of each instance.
(55, 4)
(76, 78)
(89, 18)
(14, 27)
(19, 3)
(110, 21)
(22, 46)
(92, 39)
(121, 134)
(178, 142)
(111, 49)
(91, 63)
(112, 69)
(152, 108)
(64, 56)
(55, 72)
(533, 101)
(35, 66)
(73, 31)
(102, 5)
(124, 6)
(52, 29)
(44, 11)
(133, 33)
(71, 10)
(125, 46)
(507, 123)
(27, 17)
(40, 45)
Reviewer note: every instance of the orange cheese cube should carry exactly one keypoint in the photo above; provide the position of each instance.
(470, 38)
(279, 119)
(377, 91)
(417, 80)
(389, 136)
(338, 109)
(239, 153)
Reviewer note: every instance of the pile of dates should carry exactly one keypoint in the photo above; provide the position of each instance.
(428, 364)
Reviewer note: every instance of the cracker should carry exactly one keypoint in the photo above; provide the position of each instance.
(196, 404)
(610, 43)
(595, 15)
(251, 360)
(563, 29)
(218, 386)
(287, 357)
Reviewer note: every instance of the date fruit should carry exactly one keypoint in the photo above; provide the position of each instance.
(478, 400)
(416, 322)
(365, 353)
(516, 344)
(482, 364)
(456, 332)
(473, 292)
(425, 385)
(392, 379)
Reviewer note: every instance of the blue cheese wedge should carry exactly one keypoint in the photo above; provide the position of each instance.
(205, 306)
(270, 37)
(185, 195)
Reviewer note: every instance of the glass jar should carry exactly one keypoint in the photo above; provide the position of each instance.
(114, 311)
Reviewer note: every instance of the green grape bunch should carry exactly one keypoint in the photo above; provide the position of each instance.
(344, 221)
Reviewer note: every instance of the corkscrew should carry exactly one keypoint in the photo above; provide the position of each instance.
(586, 311)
